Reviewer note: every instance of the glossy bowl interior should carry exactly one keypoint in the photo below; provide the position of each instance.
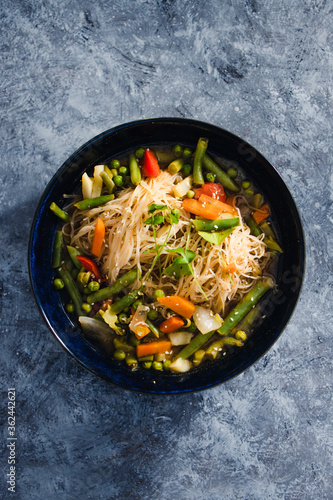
(278, 305)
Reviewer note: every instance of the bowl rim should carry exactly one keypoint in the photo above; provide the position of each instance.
(52, 182)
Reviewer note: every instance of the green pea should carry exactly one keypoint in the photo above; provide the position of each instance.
(246, 184)
(123, 171)
(152, 314)
(157, 365)
(58, 284)
(115, 164)
(176, 212)
(232, 172)
(147, 364)
(93, 286)
(118, 180)
(210, 177)
(190, 194)
(119, 355)
(139, 153)
(249, 192)
(86, 290)
(166, 364)
(86, 307)
(178, 150)
(70, 308)
(158, 293)
(241, 335)
(187, 169)
(187, 153)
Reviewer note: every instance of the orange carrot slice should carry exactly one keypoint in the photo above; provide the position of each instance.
(171, 324)
(261, 214)
(155, 347)
(96, 247)
(179, 305)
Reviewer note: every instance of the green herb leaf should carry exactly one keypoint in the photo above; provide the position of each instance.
(153, 208)
(215, 238)
(154, 220)
(181, 265)
(174, 219)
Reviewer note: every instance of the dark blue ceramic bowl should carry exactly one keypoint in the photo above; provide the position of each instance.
(278, 306)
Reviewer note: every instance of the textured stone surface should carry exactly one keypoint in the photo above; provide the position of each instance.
(261, 69)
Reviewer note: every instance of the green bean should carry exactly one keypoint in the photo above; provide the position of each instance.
(123, 318)
(195, 344)
(134, 170)
(83, 277)
(221, 176)
(59, 213)
(74, 253)
(74, 272)
(71, 288)
(254, 228)
(215, 225)
(120, 344)
(248, 321)
(272, 244)
(257, 200)
(198, 159)
(106, 293)
(57, 250)
(267, 229)
(128, 299)
(114, 172)
(175, 166)
(245, 305)
(156, 331)
(108, 171)
(198, 356)
(93, 202)
(217, 346)
(107, 181)
(150, 357)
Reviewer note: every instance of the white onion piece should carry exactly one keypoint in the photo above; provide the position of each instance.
(205, 320)
(180, 338)
(180, 365)
(183, 187)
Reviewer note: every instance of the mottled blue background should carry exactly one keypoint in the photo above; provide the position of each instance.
(261, 69)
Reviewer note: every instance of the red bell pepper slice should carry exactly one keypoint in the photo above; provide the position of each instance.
(150, 166)
(213, 189)
(90, 265)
